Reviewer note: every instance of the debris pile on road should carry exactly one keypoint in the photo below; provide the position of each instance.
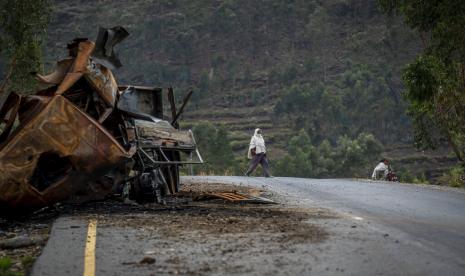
(235, 197)
(231, 193)
(83, 136)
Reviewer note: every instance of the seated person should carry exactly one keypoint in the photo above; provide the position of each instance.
(381, 170)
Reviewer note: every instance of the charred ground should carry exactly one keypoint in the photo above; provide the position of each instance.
(225, 232)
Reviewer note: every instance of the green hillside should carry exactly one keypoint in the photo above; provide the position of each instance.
(329, 67)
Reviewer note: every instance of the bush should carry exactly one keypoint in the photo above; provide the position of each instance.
(420, 179)
(405, 176)
(215, 147)
(454, 177)
(27, 262)
(5, 267)
(348, 158)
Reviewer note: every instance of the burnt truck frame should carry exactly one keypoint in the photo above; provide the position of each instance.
(83, 137)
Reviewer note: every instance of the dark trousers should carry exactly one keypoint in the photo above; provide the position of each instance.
(259, 158)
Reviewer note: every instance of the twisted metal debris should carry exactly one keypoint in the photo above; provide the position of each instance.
(84, 136)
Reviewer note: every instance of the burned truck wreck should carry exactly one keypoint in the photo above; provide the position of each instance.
(83, 137)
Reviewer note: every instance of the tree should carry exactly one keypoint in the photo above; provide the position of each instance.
(360, 100)
(319, 32)
(215, 147)
(435, 81)
(353, 156)
(347, 158)
(23, 26)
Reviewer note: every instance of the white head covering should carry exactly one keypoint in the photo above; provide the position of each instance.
(256, 142)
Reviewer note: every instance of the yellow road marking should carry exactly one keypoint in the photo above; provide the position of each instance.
(89, 254)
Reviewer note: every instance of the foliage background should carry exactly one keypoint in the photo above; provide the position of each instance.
(321, 78)
(23, 24)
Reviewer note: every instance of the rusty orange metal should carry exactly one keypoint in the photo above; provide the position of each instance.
(53, 129)
(79, 137)
(56, 77)
(63, 131)
(236, 197)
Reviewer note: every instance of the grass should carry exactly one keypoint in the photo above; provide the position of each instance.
(454, 177)
(6, 267)
(27, 262)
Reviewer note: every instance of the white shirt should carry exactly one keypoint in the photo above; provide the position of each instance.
(258, 143)
(380, 167)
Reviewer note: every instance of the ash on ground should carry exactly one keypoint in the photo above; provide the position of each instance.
(188, 237)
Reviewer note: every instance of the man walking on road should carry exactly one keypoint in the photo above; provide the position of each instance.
(257, 152)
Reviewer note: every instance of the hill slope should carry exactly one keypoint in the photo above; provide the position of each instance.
(342, 59)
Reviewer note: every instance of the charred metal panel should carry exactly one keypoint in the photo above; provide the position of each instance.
(8, 114)
(57, 76)
(102, 80)
(106, 40)
(141, 100)
(163, 134)
(63, 131)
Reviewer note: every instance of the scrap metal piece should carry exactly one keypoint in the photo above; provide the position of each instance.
(103, 81)
(181, 110)
(236, 197)
(99, 77)
(78, 68)
(8, 114)
(57, 76)
(106, 40)
(161, 133)
(141, 102)
(172, 105)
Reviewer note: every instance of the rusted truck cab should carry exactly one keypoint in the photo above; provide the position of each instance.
(83, 136)
(160, 145)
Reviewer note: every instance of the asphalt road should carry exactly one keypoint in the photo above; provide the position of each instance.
(429, 220)
(382, 229)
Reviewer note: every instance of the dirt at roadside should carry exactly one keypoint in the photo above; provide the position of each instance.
(22, 240)
(213, 238)
(214, 219)
(218, 237)
(227, 234)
